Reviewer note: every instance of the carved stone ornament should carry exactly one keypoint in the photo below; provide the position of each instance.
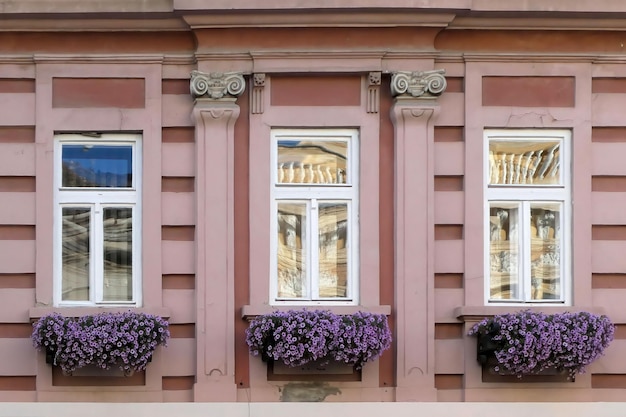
(425, 84)
(216, 85)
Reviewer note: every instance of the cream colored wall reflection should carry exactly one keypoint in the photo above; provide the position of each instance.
(333, 251)
(292, 280)
(524, 162)
(312, 162)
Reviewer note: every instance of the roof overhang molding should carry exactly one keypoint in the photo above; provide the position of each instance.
(317, 18)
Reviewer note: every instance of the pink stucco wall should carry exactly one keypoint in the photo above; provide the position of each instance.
(206, 174)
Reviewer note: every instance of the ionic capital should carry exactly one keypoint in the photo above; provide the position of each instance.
(216, 85)
(422, 84)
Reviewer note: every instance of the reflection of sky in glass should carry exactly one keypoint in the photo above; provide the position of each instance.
(97, 166)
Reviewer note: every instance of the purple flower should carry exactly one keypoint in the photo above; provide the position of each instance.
(300, 337)
(103, 340)
(530, 342)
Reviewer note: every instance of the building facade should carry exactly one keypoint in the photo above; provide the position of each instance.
(437, 163)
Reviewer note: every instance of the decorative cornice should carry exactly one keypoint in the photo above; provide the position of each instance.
(423, 84)
(216, 85)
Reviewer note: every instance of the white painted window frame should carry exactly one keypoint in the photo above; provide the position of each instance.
(526, 195)
(96, 199)
(310, 193)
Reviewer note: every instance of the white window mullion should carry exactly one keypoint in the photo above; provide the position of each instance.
(525, 251)
(97, 280)
(313, 269)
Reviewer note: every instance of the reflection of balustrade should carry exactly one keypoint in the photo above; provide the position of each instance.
(531, 167)
(298, 173)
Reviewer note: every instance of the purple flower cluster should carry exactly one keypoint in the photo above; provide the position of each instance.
(124, 340)
(528, 342)
(300, 337)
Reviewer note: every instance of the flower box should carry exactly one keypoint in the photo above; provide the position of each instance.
(528, 344)
(125, 341)
(298, 338)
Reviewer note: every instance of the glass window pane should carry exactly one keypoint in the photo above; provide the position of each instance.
(97, 166)
(292, 247)
(529, 162)
(333, 250)
(118, 254)
(545, 253)
(75, 254)
(312, 162)
(504, 255)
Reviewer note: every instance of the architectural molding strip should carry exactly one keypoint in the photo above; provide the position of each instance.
(373, 92)
(258, 94)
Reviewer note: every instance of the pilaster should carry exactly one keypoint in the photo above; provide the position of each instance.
(413, 115)
(215, 113)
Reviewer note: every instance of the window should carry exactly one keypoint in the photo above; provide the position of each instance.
(314, 216)
(527, 216)
(97, 219)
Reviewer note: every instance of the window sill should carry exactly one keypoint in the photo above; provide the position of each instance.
(249, 312)
(80, 311)
(477, 313)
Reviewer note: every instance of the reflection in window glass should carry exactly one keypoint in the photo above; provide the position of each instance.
(97, 166)
(545, 251)
(76, 231)
(504, 251)
(117, 256)
(292, 279)
(333, 250)
(312, 162)
(524, 162)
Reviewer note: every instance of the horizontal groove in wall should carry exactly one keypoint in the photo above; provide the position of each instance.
(17, 85)
(178, 282)
(529, 91)
(612, 232)
(448, 231)
(608, 85)
(611, 381)
(17, 232)
(178, 135)
(18, 383)
(334, 90)
(177, 383)
(182, 331)
(178, 184)
(15, 330)
(449, 183)
(608, 134)
(608, 280)
(455, 84)
(446, 382)
(17, 280)
(449, 134)
(448, 331)
(17, 134)
(448, 280)
(620, 331)
(178, 233)
(175, 86)
(608, 183)
(125, 93)
(17, 184)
